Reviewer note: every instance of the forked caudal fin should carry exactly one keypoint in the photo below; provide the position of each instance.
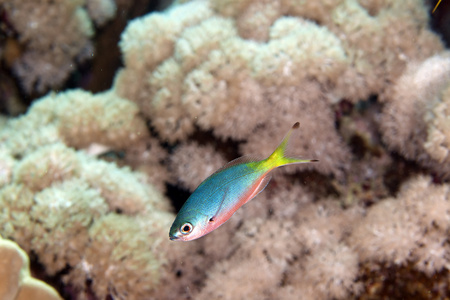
(278, 157)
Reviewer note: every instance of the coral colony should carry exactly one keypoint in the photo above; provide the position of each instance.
(87, 179)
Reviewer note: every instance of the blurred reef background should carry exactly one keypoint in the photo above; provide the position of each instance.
(113, 111)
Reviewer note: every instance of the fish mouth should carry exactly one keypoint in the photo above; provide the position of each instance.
(173, 237)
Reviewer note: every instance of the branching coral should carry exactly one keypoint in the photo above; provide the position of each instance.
(57, 201)
(101, 11)
(121, 258)
(149, 157)
(317, 250)
(77, 118)
(415, 117)
(53, 209)
(288, 258)
(316, 137)
(6, 166)
(62, 215)
(438, 133)
(412, 228)
(211, 77)
(228, 67)
(55, 36)
(184, 164)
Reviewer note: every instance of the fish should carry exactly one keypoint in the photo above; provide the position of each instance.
(434, 9)
(220, 195)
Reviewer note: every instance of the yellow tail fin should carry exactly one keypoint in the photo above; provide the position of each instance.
(278, 158)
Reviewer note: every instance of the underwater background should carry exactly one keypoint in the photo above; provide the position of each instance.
(114, 111)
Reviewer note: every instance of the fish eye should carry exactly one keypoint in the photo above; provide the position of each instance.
(186, 228)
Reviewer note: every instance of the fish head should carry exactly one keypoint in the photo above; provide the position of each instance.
(189, 226)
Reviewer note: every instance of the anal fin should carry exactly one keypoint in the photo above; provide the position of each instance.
(261, 186)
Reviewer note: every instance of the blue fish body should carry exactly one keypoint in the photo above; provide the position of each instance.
(218, 197)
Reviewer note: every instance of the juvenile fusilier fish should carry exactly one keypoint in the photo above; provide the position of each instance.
(218, 197)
